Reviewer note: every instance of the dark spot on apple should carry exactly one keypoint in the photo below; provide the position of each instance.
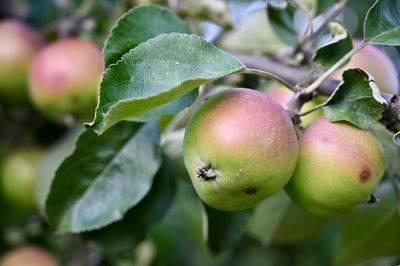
(250, 190)
(207, 172)
(365, 175)
(372, 199)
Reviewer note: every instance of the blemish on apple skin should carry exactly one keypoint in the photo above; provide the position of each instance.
(365, 176)
(250, 190)
(207, 172)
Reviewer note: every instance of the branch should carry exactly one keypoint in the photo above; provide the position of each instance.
(294, 76)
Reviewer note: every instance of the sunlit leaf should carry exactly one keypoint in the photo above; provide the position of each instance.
(157, 72)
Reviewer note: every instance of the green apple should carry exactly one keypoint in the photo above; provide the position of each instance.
(28, 256)
(239, 148)
(64, 79)
(19, 45)
(339, 167)
(18, 177)
(283, 95)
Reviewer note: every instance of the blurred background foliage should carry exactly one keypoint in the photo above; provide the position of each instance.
(276, 233)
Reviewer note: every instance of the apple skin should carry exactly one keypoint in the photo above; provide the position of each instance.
(239, 148)
(65, 77)
(18, 177)
(19, 45)
(376, 63)
(339, 167)
(25, 256)
(283, 95)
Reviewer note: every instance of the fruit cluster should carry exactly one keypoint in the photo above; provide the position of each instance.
(60, 80)
(241, 147)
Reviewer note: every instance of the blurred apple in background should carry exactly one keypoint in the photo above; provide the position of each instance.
(65, 78)
(28, 256)
(18, 46)
(18, 177)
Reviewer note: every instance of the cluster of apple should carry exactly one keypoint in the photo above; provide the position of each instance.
(61, 81)
(241, 147)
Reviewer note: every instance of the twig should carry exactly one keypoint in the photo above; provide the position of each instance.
(329, 16)
(269, 75)
(313, 109)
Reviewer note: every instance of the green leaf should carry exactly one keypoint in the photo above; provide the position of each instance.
(372, 231)
(50, 162)
(340, 44)
(396, 138)
(104, 177)
(121, 237)
(222, 229)
(356, 100)
(156, 72)
(139, 25)
(382, 23)
(281, 19)
(323, 5)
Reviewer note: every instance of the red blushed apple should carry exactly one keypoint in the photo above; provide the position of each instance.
(339, 167)
(64, 78)
(18, 46)
(239, 148)
(28, 256)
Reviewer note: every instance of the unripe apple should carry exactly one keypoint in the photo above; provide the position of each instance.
(376, 63)
(283, 96)
(18, 46)
(64, 78)
(28, 256)
(339, 167)
(240, 147)
(18, 177)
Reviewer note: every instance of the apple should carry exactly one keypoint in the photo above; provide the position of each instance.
(239, 148)
(283, 95)
(18, 47)
(339, 167)
(18, 177)
(28, 256)
(65, 77)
